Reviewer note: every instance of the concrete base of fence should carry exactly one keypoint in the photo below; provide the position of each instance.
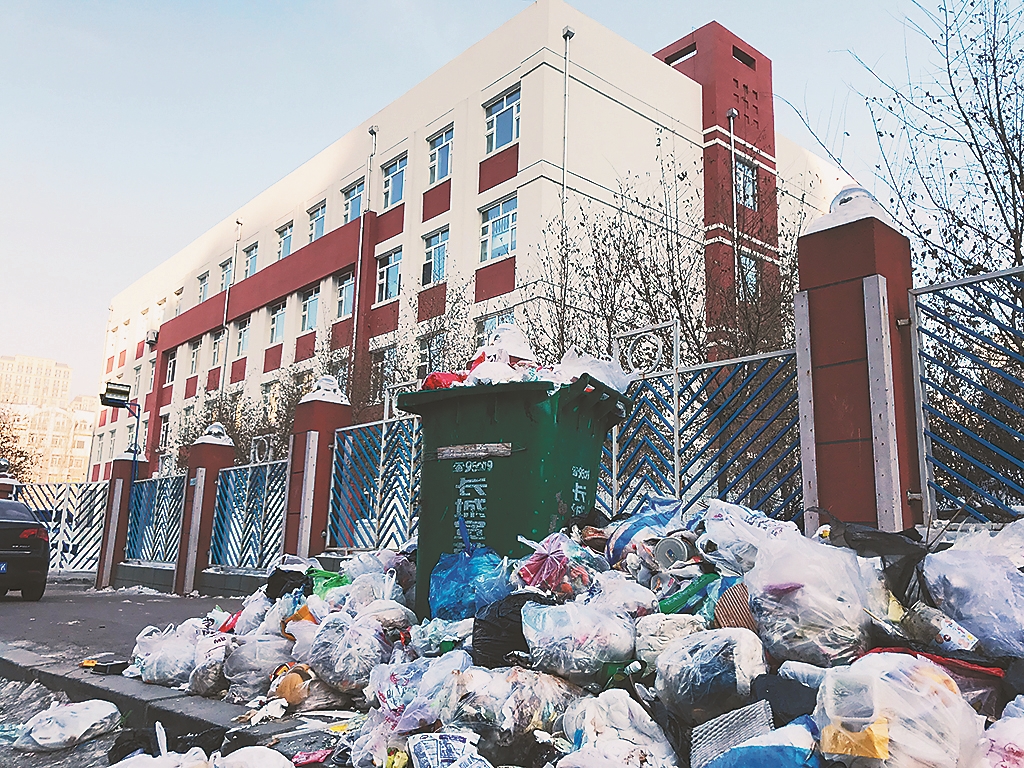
(153, 575)
(226, 584)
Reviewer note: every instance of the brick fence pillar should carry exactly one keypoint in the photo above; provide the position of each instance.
(311, 462)
(208, 455)
(115, 523)
(858, 433)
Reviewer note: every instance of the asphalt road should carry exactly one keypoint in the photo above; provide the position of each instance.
(74, 621)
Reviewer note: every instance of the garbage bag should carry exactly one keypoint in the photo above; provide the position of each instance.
(284, 580)
(463, 583)
(390, 614)
(365, 589)
(789, 747)
(899, 553)
(498, 629)
(439, 750)
(436, 636)
(65, 725)
(900, 710)
(708, 673)
(575, 363)
(1003, 743)
(207, 677)
(559, 565)
(984, 593)
(1007, 542)
(577, 639)
(174, 657)
(346, 650)
(789, 699)
(734, 534)
(620, 729)
(253, 757)
(811, 601)
(655, 632)
(194, 758)
(254, 609)
(659, 516)
(248, 667)
(324, 581)
(617, 593)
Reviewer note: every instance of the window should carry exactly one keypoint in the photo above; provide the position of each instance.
(748, 276)
(498, 232)
(144, 430)
(99, 449)
(277, 323)
(165, 429)
(430, 354)
(131, 437)
(394, 181)
(110, 450)
(218, 343)
(389, 281)
(310, 306)
(152, 375)
(433, 266)
(382, 371)
(746, 184)
(284, 241)
(204, 286)
(503, 121)
(243, 337)
(251, 256)
(172, 364)
(271, 392)
(485, 326)
(440, 155)
(226, 269)
(353, 202)
(316, 221)
(346, 293)
(193, 366)
(138, 382)
(187, 414)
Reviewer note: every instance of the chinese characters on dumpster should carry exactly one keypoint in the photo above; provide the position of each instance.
(471, 499)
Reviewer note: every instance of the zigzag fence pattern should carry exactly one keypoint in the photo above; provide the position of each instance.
(76, 512)
(154, 519)
(248, 523)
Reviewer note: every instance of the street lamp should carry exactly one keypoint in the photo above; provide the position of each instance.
(119, 396)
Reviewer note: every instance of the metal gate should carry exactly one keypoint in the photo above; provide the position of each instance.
(727, 430)
(248, 524)
(154, 519)
(968, 338)
(375, 484)
(77, 512)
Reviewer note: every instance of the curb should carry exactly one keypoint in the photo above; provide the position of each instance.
(141, 705)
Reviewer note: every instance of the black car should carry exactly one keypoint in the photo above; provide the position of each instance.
(24, 550)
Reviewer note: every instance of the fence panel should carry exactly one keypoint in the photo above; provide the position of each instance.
(969, 383)
(154, 519)
(77, 513)
(248, 524)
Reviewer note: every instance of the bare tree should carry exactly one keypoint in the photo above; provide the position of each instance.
(22, 458)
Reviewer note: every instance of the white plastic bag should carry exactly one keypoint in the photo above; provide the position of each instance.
(620, 729)
(65, 725)
(615, 592)
(575, 363)
(248, 667)
(254, 609)
(173, 656)
(345, 651)
(252, 757)
(654, 633)
(733, 534)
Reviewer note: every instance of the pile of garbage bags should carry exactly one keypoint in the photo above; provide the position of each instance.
(673, 638)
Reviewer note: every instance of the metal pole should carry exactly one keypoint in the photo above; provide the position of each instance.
(924, 447)
(356, 286)
(732, 114)
(567, 35)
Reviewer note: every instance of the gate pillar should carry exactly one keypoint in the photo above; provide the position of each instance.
(310, 464)
(208, 455)
(115, 521)
(857, 420)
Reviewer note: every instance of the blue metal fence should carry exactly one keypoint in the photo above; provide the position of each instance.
(248, 523)
(154, 519)
(77, 511)
(969, 377)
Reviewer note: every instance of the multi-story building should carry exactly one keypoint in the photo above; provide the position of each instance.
(441, 201)
(60, 436)
(34, 381)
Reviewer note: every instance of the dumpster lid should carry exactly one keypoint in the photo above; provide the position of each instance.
(414, 402)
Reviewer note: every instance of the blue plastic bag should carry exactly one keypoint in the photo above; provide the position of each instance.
(463, 583)
(789, 747)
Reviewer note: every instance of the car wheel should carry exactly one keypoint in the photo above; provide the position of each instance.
(33, 593)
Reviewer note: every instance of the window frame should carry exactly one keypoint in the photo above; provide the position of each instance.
(434, 153)
(194, 349)
(500, 106)
(383, 276)
(748, 275)
(487, 237)
(430, 262)
(382, 371)
(501, 316)
(278, 315)
(428, 353)
(284, 235)
(251, 258)
(218, 340)
(354, 192)
(165, 430)
(172, 367)
(387, 184)
(317, 222)
(242, 341)
(745, 186)
(227, 270)
(309, 298)
(204, 286)
(346, 282)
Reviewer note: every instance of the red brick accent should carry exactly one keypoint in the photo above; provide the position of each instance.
(496, 279)
(305, 346)
(166, 393)
(193, 322)
(191, 385)
(95, 472)
(106, 470)
(431, 302)
(103, 417)
(383, 319)
(341, 334)
(110, 364)
(499, 167)
(150, 401)
(140, 349)
(121, 357)
(437, 200)
(212, 380)
(272, 358)
(114, 413)
(238, 370)
(391, 223)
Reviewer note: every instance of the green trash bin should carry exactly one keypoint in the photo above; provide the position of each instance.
(511, 459)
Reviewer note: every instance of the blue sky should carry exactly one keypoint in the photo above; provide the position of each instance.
(129, 128)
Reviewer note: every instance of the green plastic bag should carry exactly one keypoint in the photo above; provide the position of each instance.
(327, 580)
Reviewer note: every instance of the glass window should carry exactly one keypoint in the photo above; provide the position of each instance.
(187, 414)
(204, 286)
(502, 121)
(394, 181)
(284, 241)
(430, 354)
(389, 280)
(498, 231)
(218, 343)
(193, 365)
(433, 266)
(382, 371)
(748, 276)
(310, 306)
(243, 337)
(485, 326)
(110, 450)
(316, 221)
(131, 437)
(441, 155)
(251, 257)
(152, 375)
(165, 429)
(171, 358)
(746, 184)
(99, 448)
(277, 323)
(225, 274)
(353, 202)
(346, 293)
(271, 393)
(137, 392)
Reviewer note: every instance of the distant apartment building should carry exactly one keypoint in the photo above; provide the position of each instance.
(34, 381)
(442, 199)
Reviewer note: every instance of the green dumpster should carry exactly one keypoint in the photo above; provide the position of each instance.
(510, 459)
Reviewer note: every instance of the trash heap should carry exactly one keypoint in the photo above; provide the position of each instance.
(711, 638)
